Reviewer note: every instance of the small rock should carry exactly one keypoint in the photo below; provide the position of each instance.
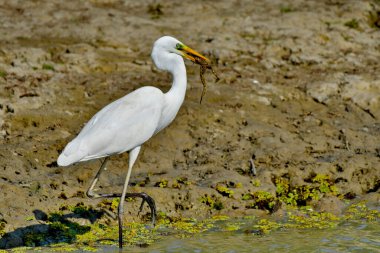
(364, 93)
(263, 100)
(322, 92)
(330, 204)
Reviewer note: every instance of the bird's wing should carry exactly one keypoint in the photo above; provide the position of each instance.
(120, 126)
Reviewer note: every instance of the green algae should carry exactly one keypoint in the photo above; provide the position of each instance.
(2, 227)
(88, 238)
(65, 234)
(353, 23)
(109, 204)
(224, 191)
(373, 17)
(360, 211)
(256, 182)
(20, 249)
(286, 9)
(179, 182)
(212, 201)
(299, 195)
(163, 183)
(3, 73)
(232, 226)
(60, 229)
(324, 184)
(220, 218)
(310, 219)
(186, 228)
(46, 66)
(136, 233)
(261, 200)
(86, 211)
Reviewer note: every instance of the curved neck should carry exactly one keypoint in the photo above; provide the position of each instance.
(175, 96)
(178, 89)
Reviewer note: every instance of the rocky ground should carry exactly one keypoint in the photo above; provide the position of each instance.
(298, 102)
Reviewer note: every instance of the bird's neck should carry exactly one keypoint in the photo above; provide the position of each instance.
(177, 92)
(175, 96)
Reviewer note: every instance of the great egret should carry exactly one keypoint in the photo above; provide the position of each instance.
(127, 123)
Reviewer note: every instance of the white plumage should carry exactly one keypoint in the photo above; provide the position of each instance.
(133, 119)
(125, 124)
(120, 126)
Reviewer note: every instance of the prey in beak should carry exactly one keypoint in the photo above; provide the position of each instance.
(199, 59)
(191, 54)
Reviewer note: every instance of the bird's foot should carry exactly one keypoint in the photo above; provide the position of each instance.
(145, 198)
(149, 200)
(93, 195)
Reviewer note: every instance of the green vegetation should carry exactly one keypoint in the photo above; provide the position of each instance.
(232, 226)
(2, 226)
(307, 218)
(300, 195)
(46, 66)
(155, 10)
(297, 196)
(3, 73)
(224, 191)
(86, 211)
(286, 9)
(373, 17)
(212, 201)
(353, 23)
(360, 211)
(256, 182)
(110, 204)
(29, 218)
(59, 230)
(179, 182)
(64, 235)
(163, 183)
(261, 200)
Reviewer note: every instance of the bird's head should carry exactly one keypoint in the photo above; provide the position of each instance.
(165, 46)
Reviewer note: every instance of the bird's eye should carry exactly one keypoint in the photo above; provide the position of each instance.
(179, 46)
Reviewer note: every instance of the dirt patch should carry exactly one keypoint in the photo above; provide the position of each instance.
(298, 96)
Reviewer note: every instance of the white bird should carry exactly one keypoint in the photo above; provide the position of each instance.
(127, 123)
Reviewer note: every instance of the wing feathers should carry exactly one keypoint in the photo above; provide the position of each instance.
(120, 126)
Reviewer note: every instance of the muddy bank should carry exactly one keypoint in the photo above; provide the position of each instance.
(299, 96)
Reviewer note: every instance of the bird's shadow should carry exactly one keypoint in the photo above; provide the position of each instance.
(53, 228)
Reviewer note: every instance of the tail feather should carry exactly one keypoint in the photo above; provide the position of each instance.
(71, 154)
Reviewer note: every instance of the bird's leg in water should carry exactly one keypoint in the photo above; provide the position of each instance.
(145, 197)
(132, 158)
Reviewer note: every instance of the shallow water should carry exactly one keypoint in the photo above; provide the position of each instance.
(347, 237)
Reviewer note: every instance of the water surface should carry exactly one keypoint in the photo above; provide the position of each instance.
(347, 237)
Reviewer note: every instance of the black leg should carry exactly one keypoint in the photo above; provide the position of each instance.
(149, 200)
(145, 198)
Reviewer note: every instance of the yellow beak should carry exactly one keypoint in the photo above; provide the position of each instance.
(193, 55)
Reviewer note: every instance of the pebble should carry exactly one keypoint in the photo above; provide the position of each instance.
(321, 91)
